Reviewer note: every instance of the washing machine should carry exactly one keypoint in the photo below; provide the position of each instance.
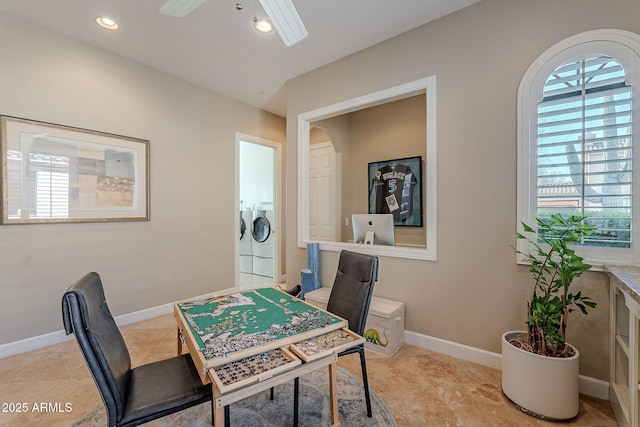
(262, 247)
(246, 253)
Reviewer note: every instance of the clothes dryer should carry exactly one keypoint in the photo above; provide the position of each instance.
(262, 245)
(246, 254)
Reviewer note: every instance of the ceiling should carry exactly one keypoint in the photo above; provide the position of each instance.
(216, 46)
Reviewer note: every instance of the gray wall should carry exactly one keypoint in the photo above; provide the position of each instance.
(474, 291)
(187, 247)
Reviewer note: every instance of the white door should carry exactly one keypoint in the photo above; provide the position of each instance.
(322, 193)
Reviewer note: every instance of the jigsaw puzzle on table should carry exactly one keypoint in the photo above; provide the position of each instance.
(234, 322)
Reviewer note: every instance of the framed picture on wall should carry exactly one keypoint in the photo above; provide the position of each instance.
(395, 186)
(58, 174)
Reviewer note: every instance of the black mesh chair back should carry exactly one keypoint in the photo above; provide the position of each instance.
(131, 396)
(353, 288)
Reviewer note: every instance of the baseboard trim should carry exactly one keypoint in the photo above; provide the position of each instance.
(594, 387)
(450, 348)
(34, 343)
(148, 313)
(588, 385)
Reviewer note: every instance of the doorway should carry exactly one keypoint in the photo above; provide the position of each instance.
(257, 194)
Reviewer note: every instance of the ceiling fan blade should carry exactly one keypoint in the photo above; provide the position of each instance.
(285, 18)
(179, 8)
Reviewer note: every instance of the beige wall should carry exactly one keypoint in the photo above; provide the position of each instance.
(187, 247)
(474, 291)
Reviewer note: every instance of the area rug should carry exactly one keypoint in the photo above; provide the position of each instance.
(260, 411)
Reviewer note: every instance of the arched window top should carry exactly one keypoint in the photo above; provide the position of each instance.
(593, 74)
(576, 136)
(622, 45)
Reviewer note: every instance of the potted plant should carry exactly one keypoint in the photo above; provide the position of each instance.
(540, 370)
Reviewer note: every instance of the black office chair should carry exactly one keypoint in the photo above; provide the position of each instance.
(350, 299)
(132, 396)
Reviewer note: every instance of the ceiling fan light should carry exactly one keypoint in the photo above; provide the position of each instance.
(286, 20)
(179, 8)
(262, 25)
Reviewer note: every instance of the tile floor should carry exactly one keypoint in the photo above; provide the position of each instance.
(422, 388)
(249, 281)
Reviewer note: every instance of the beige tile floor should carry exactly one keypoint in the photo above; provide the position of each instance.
(249, 281)
(422, 388)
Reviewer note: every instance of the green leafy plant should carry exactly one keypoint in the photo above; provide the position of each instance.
(554, 266)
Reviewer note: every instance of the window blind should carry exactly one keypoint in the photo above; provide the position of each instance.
(584, 148)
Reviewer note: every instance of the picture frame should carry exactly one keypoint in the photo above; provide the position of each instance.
(60, 174)
(395, 186)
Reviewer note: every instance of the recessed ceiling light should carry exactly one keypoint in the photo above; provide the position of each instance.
(262, 25)
(107, 23)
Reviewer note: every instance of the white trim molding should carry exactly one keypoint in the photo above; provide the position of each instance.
(623, 46)
(277, 202)
(588, 385)
(426, 85)
(34, 343)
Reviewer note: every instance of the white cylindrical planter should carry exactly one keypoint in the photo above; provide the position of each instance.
(542, 386)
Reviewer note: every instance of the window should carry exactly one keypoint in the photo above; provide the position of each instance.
(584, 146)
(578, 124)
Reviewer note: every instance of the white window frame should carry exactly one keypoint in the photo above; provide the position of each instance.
(624, 46)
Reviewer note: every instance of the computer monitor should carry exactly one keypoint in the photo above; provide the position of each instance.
(380, 224)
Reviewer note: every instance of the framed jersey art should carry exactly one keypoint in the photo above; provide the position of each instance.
(395, 186)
